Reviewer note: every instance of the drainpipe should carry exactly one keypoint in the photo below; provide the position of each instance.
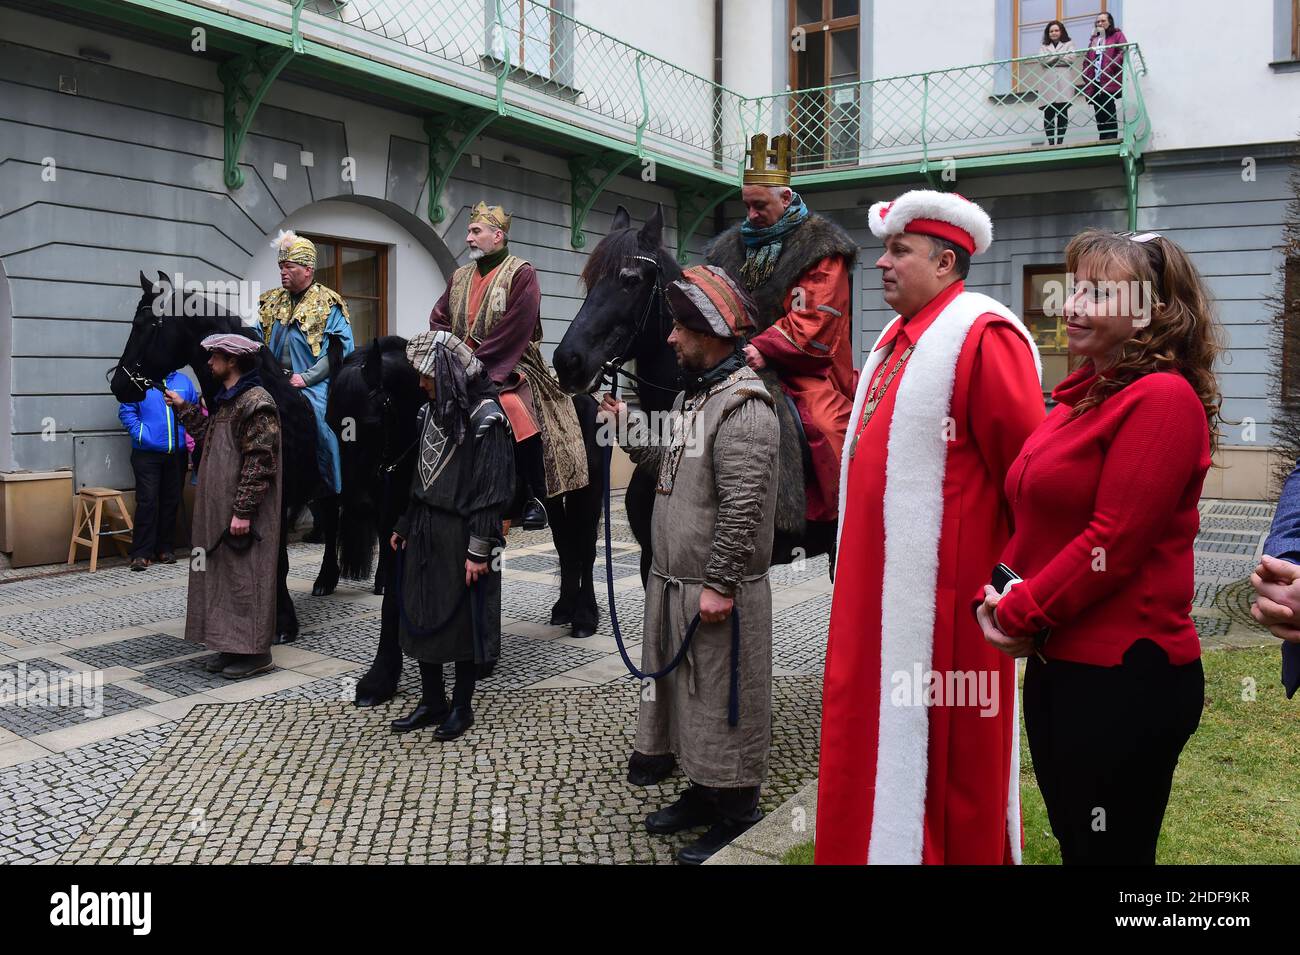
(719, 215)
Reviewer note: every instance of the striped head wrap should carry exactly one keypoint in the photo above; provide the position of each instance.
(458, 377)
(705, 299)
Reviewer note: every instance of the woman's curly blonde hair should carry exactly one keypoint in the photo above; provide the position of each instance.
(1183, 334)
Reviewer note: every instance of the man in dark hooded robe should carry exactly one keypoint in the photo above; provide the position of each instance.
(448, 542)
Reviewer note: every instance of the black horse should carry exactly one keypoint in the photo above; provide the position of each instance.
(626, 317)
(165, 335)
(373, 404)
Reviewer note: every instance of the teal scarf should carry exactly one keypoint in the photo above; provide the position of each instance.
(763, 246)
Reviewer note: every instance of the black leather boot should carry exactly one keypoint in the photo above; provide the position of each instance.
(218, 662)
(432, 708)
(643, 770)
(693, 809)
(461, 719)
(718, 836)
(243, 665)
(462, 694)
(737, 810)
(535, 518)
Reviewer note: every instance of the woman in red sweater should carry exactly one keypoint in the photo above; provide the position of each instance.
(1104, 499)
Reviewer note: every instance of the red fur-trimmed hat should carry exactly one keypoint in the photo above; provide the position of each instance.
(944, 215)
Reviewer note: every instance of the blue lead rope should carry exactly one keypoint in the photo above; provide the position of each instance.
(733, 697)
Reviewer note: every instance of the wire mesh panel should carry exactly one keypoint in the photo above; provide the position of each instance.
(964, 111)
(543, 65)
(553, 65)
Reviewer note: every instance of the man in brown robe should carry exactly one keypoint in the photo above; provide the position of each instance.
(493, 304)
(233, 573)
(711, 533)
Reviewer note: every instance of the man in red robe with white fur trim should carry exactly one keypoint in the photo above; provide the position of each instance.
(919, 747)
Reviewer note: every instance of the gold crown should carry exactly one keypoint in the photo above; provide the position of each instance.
(768, 167)
(494, 216)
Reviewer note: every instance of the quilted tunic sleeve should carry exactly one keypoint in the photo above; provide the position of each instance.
(743, 449)
(258, 434)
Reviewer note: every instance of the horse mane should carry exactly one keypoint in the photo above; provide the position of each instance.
(615, 252)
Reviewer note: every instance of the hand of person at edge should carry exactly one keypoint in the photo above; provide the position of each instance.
(1277, 597)
(239, 526)
(297, 380)
(397, 541)
(754, 358)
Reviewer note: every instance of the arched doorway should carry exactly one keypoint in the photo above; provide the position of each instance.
(390, 265)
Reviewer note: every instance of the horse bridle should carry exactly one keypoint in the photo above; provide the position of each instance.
(134, 373)
(614, 367)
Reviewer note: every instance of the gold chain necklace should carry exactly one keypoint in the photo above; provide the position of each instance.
(876, 393)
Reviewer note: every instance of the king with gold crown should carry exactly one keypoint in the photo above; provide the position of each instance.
(305, 325)
(796, 265)
(494, 304)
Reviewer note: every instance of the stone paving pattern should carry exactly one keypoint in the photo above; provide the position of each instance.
(187, 766)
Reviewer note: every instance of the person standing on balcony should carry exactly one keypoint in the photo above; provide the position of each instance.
(914, 768)
(1056, 85)
(1103, 73)
(796, 265)
(493, 304)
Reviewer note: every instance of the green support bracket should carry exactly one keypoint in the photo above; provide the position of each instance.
(245, 81)
(445, 152)
(589, 176)
(1132, 168)
(692, 207)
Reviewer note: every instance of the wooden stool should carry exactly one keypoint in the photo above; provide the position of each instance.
(87, 514)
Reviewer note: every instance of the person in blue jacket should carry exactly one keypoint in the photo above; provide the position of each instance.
(159, 459)
(1277, 581)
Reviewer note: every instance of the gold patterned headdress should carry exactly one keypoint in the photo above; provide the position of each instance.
(494, 216)
(768, 167)
(291, 247)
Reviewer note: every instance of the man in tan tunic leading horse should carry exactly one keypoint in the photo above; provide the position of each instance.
(494, 305)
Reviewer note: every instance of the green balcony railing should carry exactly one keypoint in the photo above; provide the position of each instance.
(988, 111)
(480, 61)
(545, 66)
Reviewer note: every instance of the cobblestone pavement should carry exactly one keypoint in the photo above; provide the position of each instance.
(175, 764)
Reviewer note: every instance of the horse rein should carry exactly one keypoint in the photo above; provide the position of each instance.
(614, 367)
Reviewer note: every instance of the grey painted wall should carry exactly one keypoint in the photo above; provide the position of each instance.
(139, 186)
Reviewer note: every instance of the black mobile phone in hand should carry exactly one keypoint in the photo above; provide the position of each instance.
(1003, 576)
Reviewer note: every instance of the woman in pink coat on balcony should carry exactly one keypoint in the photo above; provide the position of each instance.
(1103, 73)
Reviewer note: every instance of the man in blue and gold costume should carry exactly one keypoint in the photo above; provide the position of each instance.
(305, 325)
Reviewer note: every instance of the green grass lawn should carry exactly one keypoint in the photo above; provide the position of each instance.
(1236, 795)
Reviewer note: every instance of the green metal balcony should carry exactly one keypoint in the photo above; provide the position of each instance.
(531, 74)
(951, 122)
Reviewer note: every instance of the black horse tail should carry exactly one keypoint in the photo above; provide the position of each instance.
(358, 533)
